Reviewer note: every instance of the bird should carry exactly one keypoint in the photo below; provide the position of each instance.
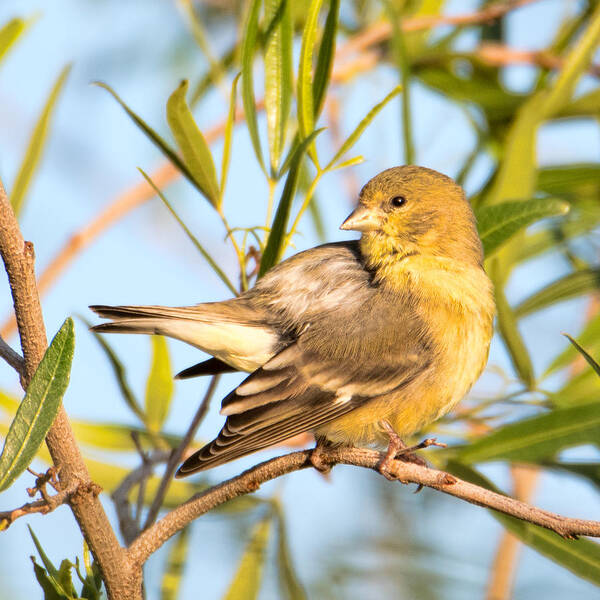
(361, 342)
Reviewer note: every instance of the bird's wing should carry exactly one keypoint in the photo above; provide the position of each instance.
(332, 368)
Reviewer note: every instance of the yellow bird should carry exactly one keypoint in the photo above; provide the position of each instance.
(361, 342)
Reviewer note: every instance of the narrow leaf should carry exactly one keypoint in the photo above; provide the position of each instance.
(278, 75)
(306, 112)
(38, 409)
(192, 144)
(355, 135)
(567, 287)
(509, 330)
(9, 34)
(227, 139)
(156, 139)
(248, 49)
(119, 373)
(36, 145)
(48, 586)
(159, 386)
(498, 223)
(582, 556)
(209, 259)
(580, 389)
(291, 587)
(585, 355)
(589, 337)
(247, 580)
(537, 438)
(275, 244)
(50, 568)
(325, 58)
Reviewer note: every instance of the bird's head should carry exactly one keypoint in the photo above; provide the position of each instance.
(409, 210)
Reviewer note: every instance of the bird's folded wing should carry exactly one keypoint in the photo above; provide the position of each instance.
(298, 390)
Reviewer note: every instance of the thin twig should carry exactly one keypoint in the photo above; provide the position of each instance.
(127, 523)
(44, 506)
(178, 452)
(250, 481)
(14, 359)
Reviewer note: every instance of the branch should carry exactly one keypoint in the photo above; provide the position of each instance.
(19, 259)
(249, 481)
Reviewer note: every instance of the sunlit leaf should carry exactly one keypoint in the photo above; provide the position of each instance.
(227, 139)
(570, 180)
(288, 580)
(582, 388)
(587, 105)
(325, 58)
(304, 92)
(192, 144)
(355, 135)
(567, 287)
(248, 49)
(38, 409)
(278, 74)
(500, 222)
(36, 145)
(582, 556)
(275, 244)
(159, 386)
(9, 34)
(536, 438)
(246, 582)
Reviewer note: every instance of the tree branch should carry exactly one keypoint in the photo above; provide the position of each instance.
(249, 481)
(18, 259)
(14, 359)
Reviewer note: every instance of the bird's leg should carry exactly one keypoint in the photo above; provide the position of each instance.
(316, 456)
(397, 449)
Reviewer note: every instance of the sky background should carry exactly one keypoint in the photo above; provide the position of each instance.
(142, 49)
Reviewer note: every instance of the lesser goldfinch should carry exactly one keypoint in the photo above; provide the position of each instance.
(360, 341)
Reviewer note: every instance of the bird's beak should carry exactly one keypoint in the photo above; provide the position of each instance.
(362, 219)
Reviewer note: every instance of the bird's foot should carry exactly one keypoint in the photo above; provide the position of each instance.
(398, 450)
(316, 457)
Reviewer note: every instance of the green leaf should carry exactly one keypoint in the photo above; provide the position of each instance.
(46, 583)
(156, 139)
(355, 135)
(582, 556)
(500, 222)
(119, 372)
(589, 337)
(176, 560)
(582, 388)
(227, 139)
(248, 49)
(36, 145)
(288, 580)
(304, 93)
(588, 470)
(587, 105)
(585, 355)
(275, 244)
(40, 406)
(509, 330)
(9, 34)
(278, 75)
(325, 58)
(246, 582)
(159, 386)
(570, 286)
(536, 438)
(192, 144)
(209, 259)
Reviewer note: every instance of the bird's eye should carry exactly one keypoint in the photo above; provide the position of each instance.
(398, 201)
